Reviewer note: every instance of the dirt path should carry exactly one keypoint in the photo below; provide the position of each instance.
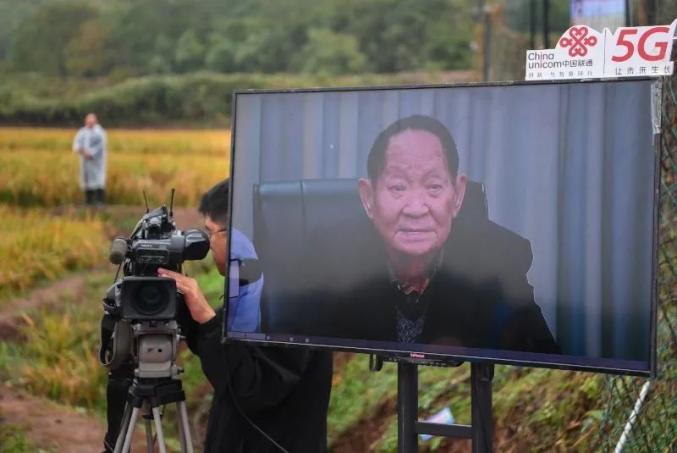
(55, 427)
(48, 425)
(50, 295)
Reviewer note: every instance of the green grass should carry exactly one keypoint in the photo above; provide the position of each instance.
(14, 440)
(534, 409)
(356, 392)
(57, 356)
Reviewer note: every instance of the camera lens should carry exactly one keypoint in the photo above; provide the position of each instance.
(150, 299)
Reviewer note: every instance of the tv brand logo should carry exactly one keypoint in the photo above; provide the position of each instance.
(583, 52)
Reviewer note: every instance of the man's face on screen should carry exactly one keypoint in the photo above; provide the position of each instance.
(415, 198)
(218, 241)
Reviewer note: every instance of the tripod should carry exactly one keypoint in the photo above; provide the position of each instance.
(153, 395)
(155, 385)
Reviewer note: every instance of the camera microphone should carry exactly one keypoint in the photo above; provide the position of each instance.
(118, 250)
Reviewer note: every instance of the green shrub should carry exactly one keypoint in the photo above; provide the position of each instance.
(202, 98)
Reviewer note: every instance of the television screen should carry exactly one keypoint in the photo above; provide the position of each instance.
(512, 223)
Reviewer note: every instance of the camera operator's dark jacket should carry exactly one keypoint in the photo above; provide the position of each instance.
(285, 391)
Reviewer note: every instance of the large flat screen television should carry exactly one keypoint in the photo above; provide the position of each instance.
(512, 223)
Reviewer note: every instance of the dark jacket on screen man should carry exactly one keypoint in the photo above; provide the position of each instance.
(479, 297)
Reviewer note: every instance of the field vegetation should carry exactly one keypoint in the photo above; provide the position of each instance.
(57, 358)
(37, 246)
(39, 169)
(174, 142)
(201, 99)
(14, 440)
(54, 245)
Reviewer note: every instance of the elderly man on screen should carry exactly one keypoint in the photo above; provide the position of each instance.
(90, 144)
(425, 277)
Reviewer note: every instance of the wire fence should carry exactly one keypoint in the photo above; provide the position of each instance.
(641, 414)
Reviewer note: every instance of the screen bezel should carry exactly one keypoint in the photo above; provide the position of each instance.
(540, 360)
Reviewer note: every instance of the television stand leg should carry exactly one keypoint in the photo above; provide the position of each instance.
(480, 431)
(407, 407)
(482, 424)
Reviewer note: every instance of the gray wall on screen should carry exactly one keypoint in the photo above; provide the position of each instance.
(569, 167)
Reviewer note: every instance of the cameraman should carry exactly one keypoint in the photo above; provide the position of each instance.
(259, 391)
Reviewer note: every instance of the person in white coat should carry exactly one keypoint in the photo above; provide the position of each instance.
(90, 144)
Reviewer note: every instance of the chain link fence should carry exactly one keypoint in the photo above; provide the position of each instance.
(640, 414)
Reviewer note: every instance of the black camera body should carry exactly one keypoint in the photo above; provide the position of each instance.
(155, 242)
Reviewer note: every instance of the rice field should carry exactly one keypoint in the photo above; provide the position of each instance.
(39, 246)
(47, 235)
(37, 167)
(143, 141)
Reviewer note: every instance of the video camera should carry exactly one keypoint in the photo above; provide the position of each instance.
(141, 306)
(140, 328)
(154, 243)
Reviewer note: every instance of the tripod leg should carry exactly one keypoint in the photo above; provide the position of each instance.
(149, 436)
(182, 433)
(130, 430)
(184, 428)
(158, 430)
(122, 430)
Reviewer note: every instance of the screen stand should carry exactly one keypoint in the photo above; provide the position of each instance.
(481, 430)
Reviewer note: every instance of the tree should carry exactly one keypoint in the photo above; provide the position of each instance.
(12, 13)
(42, 39)
(189, 52)
(87, 54)
(61, 37)
(161, 61)
(407, 35)
(221, 55)
(328, 52)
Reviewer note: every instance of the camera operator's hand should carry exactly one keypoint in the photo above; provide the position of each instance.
(199, 308)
